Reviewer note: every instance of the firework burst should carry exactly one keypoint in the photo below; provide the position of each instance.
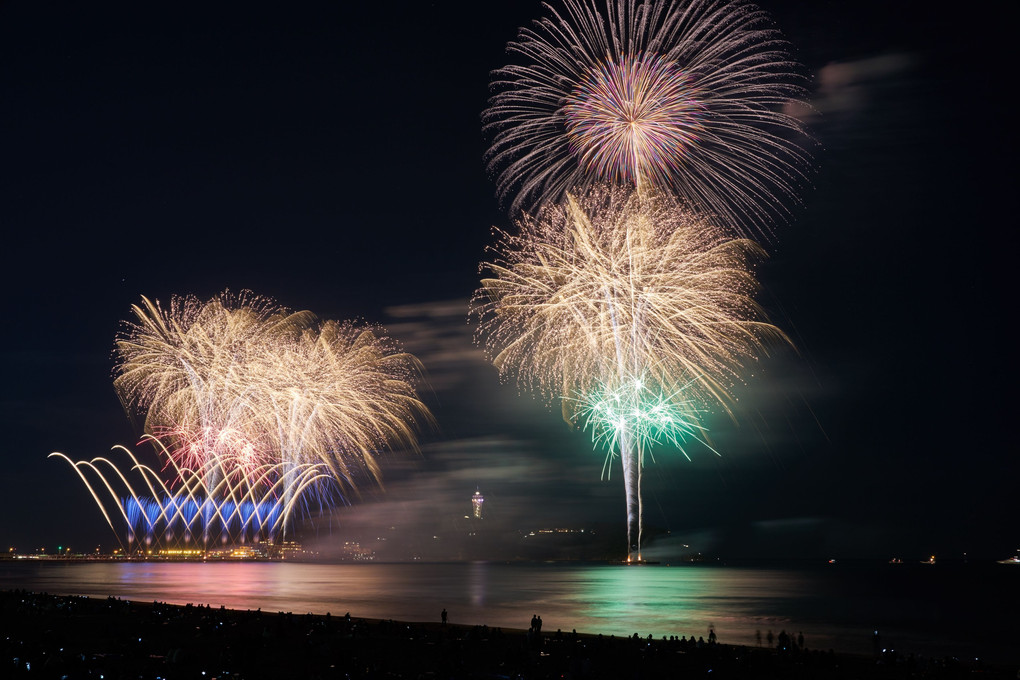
(187, 368)
(648, 416)
(686, 96)
(242, 378)
(195, 448)
(625, 299)
(614, 284)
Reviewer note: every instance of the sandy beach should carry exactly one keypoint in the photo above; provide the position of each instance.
(76, 637)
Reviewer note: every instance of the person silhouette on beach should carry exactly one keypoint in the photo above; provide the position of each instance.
(443, 616)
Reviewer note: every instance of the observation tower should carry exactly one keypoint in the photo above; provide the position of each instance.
(476, 504)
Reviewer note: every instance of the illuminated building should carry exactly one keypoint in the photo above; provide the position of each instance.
(352, 550)
(285, 550)
(181, 553)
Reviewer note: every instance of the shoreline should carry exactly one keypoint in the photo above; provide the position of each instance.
(74, 636)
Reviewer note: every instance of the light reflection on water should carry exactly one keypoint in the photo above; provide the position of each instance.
(834, 608)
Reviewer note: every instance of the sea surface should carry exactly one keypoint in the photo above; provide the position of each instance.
(962, 610)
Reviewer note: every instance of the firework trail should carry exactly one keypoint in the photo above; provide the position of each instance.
(629, 297)
(684, 96)
(240, 508)
(240, 377)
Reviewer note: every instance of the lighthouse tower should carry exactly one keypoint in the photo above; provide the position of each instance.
(476, 504)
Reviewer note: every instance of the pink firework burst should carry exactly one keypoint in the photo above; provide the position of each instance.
(227, 449)
(634, 118)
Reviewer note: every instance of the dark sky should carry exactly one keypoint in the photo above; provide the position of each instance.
(330, 156)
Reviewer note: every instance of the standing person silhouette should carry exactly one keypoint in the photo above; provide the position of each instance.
(443, 616)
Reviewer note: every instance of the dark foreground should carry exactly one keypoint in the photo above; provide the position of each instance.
(48, 636)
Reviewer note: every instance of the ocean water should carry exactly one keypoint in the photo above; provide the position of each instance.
(963, 610)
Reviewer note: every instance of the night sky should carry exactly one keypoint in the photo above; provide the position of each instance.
(330, 156)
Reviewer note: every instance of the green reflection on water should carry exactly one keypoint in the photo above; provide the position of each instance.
(626, 599)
